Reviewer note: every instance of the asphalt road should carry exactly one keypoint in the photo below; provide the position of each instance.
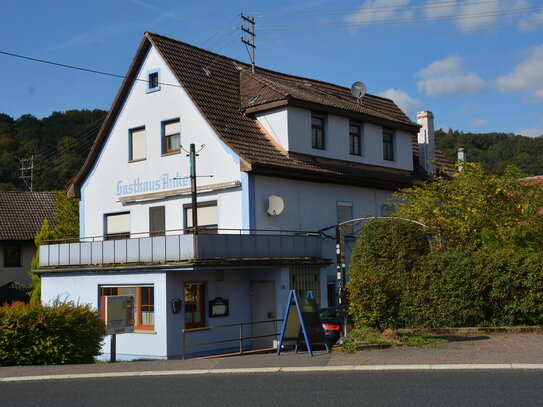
(380, 388)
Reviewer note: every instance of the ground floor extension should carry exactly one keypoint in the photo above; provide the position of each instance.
(171, 298)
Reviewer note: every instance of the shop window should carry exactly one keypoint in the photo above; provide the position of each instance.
(195, 305)
(144, 303)
(304, 279)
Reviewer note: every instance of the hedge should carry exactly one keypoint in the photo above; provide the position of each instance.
(36, 334)
(417, 287)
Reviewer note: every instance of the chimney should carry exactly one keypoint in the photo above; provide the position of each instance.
(461, 159)
(426, 139)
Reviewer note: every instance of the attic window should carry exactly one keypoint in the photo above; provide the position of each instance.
(153, 80)
(253, 100)
(206, 71)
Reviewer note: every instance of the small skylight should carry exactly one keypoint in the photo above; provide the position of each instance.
(206, 71)
(253, 100)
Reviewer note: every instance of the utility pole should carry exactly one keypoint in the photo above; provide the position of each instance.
(192, 159)
(251, 33)
(27, 164)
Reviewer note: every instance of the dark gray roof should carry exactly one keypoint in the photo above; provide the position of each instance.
(22, 213)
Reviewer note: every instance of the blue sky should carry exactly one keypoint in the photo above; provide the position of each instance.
(477, 64)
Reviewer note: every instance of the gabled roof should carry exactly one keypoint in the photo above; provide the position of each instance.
(221, 88)
(22, 213)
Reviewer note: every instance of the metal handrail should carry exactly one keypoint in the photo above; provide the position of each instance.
(187, 231)
(241, 338)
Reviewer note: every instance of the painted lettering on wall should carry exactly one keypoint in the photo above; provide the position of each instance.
(138, 186)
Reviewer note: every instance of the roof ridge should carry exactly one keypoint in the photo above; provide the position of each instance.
(247, 66)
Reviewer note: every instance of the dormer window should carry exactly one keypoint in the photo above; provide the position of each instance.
(388, 144)
(153, 80)
(354, 139)
(317, 132)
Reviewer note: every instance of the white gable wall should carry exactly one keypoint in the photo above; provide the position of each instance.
(114, 176)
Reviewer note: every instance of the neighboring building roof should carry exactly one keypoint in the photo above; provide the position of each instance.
(13, 292)
(222, 89)
(22, 213)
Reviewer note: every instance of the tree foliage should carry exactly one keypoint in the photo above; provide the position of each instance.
(66, 216)
(59, 144)
(494, 151)
(485, 267)
(477, 209)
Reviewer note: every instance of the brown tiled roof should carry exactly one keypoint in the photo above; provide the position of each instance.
(265, 87)
(22, 213)
(226, 87)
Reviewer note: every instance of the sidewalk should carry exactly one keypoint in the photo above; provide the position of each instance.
(498, 351)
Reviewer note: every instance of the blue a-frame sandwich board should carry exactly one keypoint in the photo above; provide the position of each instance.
(295, 325)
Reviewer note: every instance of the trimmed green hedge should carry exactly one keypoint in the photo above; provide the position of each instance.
(418, 288)
(36, 334)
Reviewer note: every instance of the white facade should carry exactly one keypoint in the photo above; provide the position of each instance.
(118, 184)
(291, 128)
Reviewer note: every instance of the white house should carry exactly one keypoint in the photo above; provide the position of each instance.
(321, 154)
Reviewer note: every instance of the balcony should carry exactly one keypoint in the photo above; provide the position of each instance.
(175, 247)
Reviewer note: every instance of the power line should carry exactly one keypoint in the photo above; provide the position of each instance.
(267, 39)
(78, 68)
(228, 24)
(399, 21)
(385, 8)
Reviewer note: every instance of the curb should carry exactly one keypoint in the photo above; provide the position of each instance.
(481, 330)
(359, 368)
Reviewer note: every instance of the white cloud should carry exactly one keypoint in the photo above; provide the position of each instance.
(434, 10)
(379, 10)
(535, 131)
(447, 77)
(479, 123)
(527, 76)
(405, 102)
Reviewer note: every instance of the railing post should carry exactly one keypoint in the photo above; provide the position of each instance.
(183, 345)
(241, 338)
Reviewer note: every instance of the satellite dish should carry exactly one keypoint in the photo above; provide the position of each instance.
(358, 89)
(275, 205)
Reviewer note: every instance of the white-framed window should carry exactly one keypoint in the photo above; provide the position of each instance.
(136, 144)
(153, 80)
(355, 139)
(117, 226)
(144, 302)
(207, 217)
(171, 131)
(317, 131)
(388, 144)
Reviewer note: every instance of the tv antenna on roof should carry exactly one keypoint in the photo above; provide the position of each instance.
(358, 89)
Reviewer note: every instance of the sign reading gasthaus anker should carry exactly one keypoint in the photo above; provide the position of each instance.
(138, 185)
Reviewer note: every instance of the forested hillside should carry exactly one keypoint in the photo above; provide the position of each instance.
(59, 144)
(494, 150)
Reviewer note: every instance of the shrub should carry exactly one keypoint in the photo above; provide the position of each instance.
(385, 254)
(36, 334)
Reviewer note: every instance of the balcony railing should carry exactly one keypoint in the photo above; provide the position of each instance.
(178, 247)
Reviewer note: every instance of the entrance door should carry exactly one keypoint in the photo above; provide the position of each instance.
(263, 309)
